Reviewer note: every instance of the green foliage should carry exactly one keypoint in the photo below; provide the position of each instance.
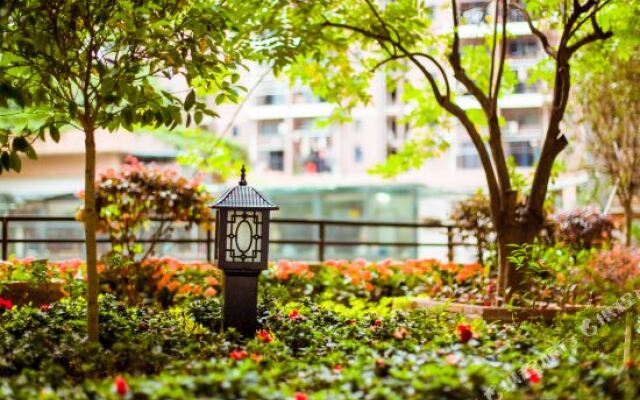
(207, 153)
(139, 198)
(317, 350)
(555, 273)
(101, 64)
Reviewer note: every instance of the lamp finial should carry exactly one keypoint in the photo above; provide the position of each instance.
(243, 176)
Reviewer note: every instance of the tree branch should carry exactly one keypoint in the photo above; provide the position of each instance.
(538, 33)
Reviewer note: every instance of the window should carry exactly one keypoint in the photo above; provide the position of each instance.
(270, 99)
(358, 155)
(523, 48)
(302, 124)
(523, 153)
(468, 156)
(276, 160)
(270, 127)
(474, 12)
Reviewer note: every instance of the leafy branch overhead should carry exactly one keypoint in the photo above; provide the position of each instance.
(105, 64)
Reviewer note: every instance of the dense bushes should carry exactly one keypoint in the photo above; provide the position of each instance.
(307, 350)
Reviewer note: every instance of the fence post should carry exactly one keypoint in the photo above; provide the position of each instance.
(5, 238)
(321, 234)
(209, 245)
(450, 243)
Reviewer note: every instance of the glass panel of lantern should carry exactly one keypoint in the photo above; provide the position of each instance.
(243, 236)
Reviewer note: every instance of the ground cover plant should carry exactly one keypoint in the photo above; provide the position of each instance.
(341, 330)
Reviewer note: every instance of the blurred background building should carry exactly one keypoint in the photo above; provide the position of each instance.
(320, 171)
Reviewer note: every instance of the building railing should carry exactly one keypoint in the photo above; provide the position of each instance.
(321, 243)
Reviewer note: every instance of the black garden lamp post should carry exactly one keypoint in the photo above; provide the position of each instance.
(242, 251)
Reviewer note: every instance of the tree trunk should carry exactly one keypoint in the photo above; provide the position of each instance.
(90, 224)
(509, 233)
(628, 337)
(628, 221)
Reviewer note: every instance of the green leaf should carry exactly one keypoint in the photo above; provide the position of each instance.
(19, 144)
(15, 162)
(197, 117)
(190, 100)
(54, 133)
(5, 160)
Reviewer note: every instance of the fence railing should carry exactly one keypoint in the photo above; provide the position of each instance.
(321, 243)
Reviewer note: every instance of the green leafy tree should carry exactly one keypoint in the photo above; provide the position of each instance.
(609, 104)
(100, 65)
(338, 46)
(206, 152)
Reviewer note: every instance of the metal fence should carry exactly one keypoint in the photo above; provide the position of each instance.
(321, 236)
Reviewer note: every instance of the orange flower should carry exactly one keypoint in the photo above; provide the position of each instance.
(211, 281)
(210, 292)
(264, 336)
(186, 288)
(173, 286)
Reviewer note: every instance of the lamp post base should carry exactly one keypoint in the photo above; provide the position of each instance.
(240, 301)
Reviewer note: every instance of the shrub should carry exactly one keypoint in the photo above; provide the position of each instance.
(141, 198)
(585, 227)
(473, 216)
(616, 270)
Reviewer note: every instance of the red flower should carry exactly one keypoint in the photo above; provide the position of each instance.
(121, 386)
(264, 336)
(295, 315)
(532, 375)
(377, 322)
(238, 354)
(300, 396)
(6, 304)
(464, 332)
(45, 308)
(337, 368)
(351, 321)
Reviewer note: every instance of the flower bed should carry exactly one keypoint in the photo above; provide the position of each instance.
(304, 350)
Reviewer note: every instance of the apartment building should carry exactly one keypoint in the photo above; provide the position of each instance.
(316, 170)
(279, 123)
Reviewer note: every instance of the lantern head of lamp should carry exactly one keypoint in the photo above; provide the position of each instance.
(242, 251)
(242, 228)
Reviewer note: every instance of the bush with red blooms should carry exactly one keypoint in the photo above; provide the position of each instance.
(616, 270)
(584, 227)
(334, 351)
(342, 279)
(144, 200)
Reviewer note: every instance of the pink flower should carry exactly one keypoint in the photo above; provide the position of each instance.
(295, 315)
(6, 304)
(300, 396)
(264, 336)
(121, 386)
(532, 375)
(45, 308)
(238, 354)
(464, 332)
(337, 368)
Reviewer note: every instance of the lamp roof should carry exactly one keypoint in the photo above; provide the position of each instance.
(243, 196)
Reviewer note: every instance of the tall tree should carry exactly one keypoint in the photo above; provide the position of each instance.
(608, 101)
(337, 47)
(610, 104)
(100, 65)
